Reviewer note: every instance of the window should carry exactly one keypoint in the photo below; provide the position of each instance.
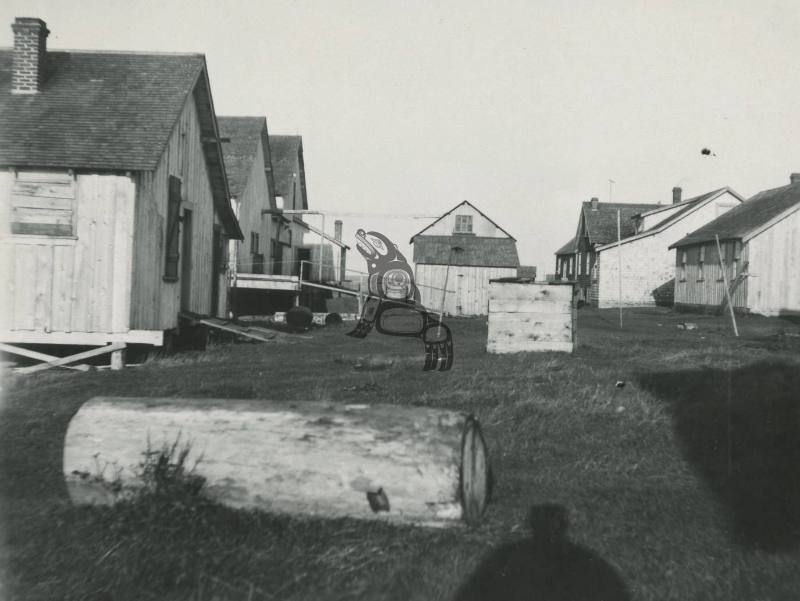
(254, 242)
(700, 263)
(683, 266)
(172, 241)
(463, 224)
(43, 203)
(279, 202)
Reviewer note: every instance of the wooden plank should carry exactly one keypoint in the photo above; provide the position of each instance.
(152, 337)
(25, 283)
(527, 347)
(238, 330)
(43, 303)
(63, 262)
(43, 204)
(529, 306)
(72, 358)
(122, 263)
(23, 352)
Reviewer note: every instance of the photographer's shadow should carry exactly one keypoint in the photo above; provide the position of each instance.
(544, 567)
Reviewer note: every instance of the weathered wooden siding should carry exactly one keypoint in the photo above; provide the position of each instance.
(647, 263)
(774, 256)
(79, 283)
(481, 226)
(467, 287)
(692, 290)
(530, 317)
(253, 200)
(156, 303)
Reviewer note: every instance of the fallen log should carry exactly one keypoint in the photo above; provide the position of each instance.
(398, 463)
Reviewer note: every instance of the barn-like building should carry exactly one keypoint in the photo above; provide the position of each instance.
(759, 247)
(457, 255)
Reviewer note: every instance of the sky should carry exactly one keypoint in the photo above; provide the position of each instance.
(524, 108)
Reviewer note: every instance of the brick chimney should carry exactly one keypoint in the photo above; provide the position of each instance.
(676, 195)
(594, 203)
(30, 55)
(794, 178)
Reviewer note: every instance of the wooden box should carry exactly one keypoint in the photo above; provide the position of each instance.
(528, 316)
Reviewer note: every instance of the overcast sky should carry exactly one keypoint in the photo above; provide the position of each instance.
(523, 108)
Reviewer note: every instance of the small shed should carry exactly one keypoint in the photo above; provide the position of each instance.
(114, 213)
(760, 252)
(457, 255)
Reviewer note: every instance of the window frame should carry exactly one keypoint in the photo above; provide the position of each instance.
(458, 227)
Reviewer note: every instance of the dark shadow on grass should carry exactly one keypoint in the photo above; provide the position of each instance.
(741, 431)
(546, 567)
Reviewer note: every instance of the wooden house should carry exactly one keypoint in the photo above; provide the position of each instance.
(760, 252)
(457, 255)
(291, 196)
(114, 211)
(646, 263)
(597, 226)
(565, 262)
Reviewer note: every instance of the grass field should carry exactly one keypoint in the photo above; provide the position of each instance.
(684, 482)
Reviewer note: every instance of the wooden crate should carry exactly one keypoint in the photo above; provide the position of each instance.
(527, 316)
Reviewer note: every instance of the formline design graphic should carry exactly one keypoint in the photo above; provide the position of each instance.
(393, 306)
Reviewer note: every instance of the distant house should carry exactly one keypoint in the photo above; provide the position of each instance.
(597, 226)
(245, 144)
(457, 255)
(113, 194)
(565, 261)
(760, 244)
(648, 266)
(289, 172)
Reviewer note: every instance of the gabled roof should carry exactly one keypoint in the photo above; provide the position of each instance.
(411, 241)
(100, 110)
(749, 218)
(601, 224)
(287, 153)
(240, 139)
(569, 248)
(684, 208)
(109, 110)
(475, 251)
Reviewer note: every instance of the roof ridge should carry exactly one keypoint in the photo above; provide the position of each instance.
(122, 52)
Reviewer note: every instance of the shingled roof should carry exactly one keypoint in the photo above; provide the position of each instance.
(569, 248)
(601, 223)
(108, 110)
(240, 139)
(475, 251)
(681, 210)
(747, 219)
(287, 152)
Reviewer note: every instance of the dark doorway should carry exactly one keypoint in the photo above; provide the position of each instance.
(186, 262)
(303, 254)
(216, 269)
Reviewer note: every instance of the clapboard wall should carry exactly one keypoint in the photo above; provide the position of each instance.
(67, 283)
(698, 277)
(774, 257)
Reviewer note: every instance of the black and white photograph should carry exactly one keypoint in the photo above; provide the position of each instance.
(399, 300)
